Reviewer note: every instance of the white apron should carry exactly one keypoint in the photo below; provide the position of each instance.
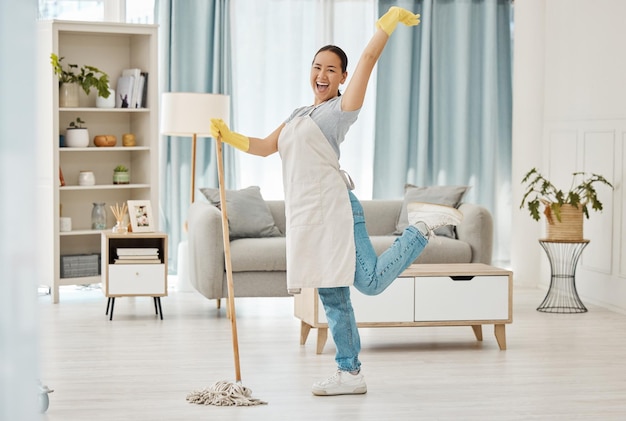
(320, 227)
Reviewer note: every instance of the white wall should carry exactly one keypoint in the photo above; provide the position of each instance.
(570, 115)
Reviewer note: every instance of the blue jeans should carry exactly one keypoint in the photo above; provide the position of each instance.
(372, 276)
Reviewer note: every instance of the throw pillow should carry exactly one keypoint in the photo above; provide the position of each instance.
(248, 214)
(439, 195)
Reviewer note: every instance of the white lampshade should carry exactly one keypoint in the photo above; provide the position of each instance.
(189, 113)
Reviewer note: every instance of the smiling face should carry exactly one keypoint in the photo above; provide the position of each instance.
(326, 76)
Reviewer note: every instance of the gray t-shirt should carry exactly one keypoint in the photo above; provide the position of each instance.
(330, 118)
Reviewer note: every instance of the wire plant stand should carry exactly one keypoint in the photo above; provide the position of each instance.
(562, 296)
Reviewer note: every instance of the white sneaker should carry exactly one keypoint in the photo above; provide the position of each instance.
(432, 216)
(341, 383)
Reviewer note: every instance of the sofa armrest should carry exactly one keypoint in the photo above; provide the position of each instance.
(206, 249)
(476, 229)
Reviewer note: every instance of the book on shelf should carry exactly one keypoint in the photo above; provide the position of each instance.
(143, 101)
(129, 251)
(137, 261)
(136, 75)
(140, 257)
(132, 89)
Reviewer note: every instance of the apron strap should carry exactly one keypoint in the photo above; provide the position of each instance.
(347, 179)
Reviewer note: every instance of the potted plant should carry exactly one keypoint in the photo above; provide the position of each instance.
(76, 135)
(563, 210)
(71, 77)
(121, 175)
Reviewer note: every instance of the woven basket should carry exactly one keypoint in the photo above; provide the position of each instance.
(570, 228)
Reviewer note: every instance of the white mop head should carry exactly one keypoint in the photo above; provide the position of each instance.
(224, 393)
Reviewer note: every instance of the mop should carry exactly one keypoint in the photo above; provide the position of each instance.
(225, 393)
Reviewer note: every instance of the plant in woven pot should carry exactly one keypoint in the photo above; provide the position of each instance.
(563, 210)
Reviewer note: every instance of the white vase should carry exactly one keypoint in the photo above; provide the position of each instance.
(106, 102)
(77, 138)
(68, 95)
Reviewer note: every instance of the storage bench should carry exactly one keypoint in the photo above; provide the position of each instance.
(456, 294)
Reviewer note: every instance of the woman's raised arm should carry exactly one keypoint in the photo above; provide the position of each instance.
(354, 94)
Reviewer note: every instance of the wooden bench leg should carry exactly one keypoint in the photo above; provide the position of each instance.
(500, 332)
(322, 335)
(478, 332)
(305, 328)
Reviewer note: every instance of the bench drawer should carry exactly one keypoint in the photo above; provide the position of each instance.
(443, 298)
(395, 304)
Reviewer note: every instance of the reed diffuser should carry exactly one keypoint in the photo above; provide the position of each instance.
(119, 213)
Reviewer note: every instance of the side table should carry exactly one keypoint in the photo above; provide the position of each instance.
(562, 296)
(134, 265)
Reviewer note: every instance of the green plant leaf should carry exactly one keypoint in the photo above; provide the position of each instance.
(87, 76)
(582, 192)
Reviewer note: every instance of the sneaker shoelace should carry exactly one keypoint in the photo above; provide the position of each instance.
(332, 379)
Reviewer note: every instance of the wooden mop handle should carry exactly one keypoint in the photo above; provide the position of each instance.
(227, 259)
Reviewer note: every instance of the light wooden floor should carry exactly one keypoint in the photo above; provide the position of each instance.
(136, 367)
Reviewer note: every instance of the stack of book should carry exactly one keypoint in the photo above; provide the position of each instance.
(135, 256)
(132, 88)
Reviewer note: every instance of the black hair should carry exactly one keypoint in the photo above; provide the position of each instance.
(340, 53)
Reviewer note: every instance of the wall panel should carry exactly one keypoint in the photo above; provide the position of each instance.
(599, 158)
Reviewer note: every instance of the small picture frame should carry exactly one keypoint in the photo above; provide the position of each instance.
(140, 213)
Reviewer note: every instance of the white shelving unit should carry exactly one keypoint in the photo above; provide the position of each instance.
(111, 47)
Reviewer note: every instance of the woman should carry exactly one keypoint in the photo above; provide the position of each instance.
(328, 246)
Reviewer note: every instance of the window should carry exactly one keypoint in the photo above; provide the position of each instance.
(271, 78)
(87, 10)
(131, 11)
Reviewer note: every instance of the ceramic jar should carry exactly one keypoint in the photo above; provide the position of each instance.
(86, 178)
(65, 224)
(68, 95)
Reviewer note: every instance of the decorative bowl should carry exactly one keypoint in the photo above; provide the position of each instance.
(105, 140)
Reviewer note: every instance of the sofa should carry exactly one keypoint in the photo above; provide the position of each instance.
(259, 264)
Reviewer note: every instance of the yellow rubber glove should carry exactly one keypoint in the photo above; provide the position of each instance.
(394, 15)
(220, 129)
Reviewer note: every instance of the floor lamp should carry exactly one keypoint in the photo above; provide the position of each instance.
(188, 114)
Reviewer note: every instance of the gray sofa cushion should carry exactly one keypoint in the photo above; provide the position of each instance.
(439, 195)
(259, 254)
(248, 214)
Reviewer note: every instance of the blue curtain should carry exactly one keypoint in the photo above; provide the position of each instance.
(194, 57)
(444, 105)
